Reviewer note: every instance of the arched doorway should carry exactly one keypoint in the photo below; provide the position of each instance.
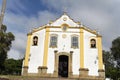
(63, 66)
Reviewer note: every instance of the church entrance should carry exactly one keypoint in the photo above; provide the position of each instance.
(63, 66)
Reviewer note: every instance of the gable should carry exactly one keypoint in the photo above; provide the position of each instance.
(64, 19)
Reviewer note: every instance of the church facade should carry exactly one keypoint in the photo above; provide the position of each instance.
(64, 48)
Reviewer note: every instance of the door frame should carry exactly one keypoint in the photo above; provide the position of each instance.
(63, 58)
(56, 64)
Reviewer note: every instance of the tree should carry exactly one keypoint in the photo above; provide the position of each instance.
(108, 62)
(112, 60)
(13, 67)
(6, 39)
(111, 71)
(115, 50)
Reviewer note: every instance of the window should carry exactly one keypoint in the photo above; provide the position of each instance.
(74, 42)
(64, 28)
(35, 40)
(93, 43)
(53, 41)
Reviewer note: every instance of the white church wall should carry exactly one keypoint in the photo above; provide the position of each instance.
(76, 62)
(36, 52)
(69, 30)
(90, 54)
(64, 45)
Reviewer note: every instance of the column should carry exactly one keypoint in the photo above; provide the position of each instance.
(55, 64)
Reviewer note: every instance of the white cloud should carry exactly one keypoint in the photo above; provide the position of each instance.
(13, 53)
(16, 5)
(102, 15)
(20, 25)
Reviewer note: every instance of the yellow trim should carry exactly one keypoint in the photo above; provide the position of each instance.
(100, 61)
(81, 48)
(84, 27)
(46, 47)
(65, 25)
(27, 50)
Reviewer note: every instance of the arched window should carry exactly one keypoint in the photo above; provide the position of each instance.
(74, 41)
(93, 43)
(53, 41)
(64, 27)
(35, 40)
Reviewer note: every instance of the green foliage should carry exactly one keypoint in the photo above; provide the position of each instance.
(6, 39)
(112, 60)
(108, 62)
(115, 50)
(13, 67)
(108, 58)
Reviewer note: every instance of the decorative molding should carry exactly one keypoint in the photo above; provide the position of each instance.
(57, 54)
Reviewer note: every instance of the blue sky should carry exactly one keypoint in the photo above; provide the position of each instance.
(23, 15)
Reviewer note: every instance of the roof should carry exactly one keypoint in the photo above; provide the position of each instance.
(65, 20)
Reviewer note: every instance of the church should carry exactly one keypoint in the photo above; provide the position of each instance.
(64, 48)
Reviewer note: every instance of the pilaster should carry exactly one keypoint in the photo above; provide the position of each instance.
(100, 57)
(25, 71)
(45, 57)
(101, 73)
(42, 71)
(83, 72)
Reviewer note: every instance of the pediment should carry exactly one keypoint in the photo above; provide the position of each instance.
(64, 19)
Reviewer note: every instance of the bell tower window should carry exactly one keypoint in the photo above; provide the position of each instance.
(35, 41)
(93, 43)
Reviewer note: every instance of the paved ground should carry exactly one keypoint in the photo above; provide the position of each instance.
(30, 78)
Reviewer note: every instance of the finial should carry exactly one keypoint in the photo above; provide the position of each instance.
(30, 29)
(78, 23)
(97, 30)
(50, 22)
(65, 11)
(81, 25)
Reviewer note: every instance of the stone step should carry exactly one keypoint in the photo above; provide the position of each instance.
(34, 78)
